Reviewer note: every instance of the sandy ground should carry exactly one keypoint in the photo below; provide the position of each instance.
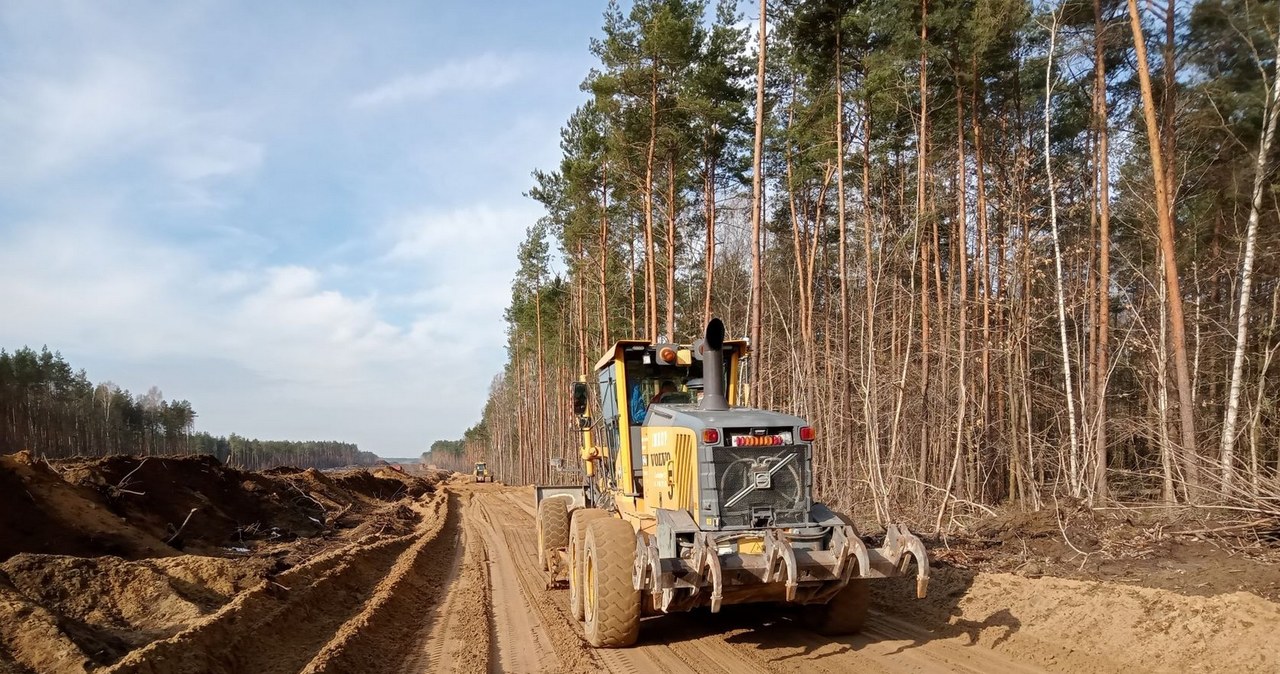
(461, 591)
(972, 622)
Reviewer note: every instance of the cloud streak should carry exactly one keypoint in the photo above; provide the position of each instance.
(293, 355)
(479, 73)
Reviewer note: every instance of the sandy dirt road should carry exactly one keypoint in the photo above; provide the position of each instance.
(463, 592)
(498, 587)
(497, 614)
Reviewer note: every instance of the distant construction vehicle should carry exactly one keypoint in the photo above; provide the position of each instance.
(691, 502)
(482, 473)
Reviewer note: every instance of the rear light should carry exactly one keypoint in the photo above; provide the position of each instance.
(710, 436)
(667, 354)
(758, 441)
(807, 434)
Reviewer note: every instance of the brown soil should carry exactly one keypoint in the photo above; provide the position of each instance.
(1188, 551)
(92, 563)
(1061, 624)
(138, 508)
(449, 581)
(107, 606)
(45, 514)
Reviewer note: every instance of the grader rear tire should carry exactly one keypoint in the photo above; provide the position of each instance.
(611, 605)
(553, 529)
(845, 614)
(578, 522)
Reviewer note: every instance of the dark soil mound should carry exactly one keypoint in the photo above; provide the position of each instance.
(140, 507)
(194, 502)
(372, 486)
(41, 513)
(414, 485)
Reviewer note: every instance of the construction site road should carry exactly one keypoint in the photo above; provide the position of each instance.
(463, 592)
(497, 614)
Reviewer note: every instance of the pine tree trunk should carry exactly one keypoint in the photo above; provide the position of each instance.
(709, 198)
(671, 249)
(1102, 347)
(604, 255)
(1164, 217)
(922, 145)
(650, 250)
(757, 212)
(541, 404)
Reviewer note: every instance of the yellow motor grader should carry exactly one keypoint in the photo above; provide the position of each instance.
(689, 501)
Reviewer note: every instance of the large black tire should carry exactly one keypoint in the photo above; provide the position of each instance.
(578, 522)
(846, 613)
(611, 605)
(553, 529)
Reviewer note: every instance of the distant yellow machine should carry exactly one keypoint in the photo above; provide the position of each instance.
(689, 501)
(482, 472)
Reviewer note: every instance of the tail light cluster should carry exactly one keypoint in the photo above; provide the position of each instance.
(756, 437)
(758, 441)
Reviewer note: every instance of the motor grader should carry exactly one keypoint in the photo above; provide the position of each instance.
(691, 502)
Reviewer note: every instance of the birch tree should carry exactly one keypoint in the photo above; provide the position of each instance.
(1271, 112)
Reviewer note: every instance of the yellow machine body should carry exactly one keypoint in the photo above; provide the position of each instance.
(719, 494)
(661, 472)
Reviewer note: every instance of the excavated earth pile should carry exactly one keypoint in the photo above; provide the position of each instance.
(96, 554)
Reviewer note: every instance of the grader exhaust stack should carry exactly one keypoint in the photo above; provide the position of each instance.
(713, 368)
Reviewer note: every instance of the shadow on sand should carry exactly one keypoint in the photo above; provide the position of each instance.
(896, 616)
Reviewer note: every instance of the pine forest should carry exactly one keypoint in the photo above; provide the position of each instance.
(995, 251)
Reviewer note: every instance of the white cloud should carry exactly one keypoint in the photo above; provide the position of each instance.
(467, 257)
(473, 234)
(217, 156)
(279, 313)
(53, 122)
(487, 71)
(108, 109)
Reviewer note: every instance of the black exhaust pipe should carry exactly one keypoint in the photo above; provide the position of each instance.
(713, 368)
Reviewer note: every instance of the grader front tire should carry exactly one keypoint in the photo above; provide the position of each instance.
(845, 614)
(553, 530)
(578, 522)
(612, 604)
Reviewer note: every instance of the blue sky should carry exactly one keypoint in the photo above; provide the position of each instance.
(302, 217)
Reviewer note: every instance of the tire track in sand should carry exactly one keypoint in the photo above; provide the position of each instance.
(383, 632)
(522, 643)
(456, 635)
(281, 626)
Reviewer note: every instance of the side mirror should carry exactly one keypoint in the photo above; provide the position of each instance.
(579, 398)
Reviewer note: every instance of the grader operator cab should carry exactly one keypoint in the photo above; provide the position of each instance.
(482, 472)
(692, 502)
